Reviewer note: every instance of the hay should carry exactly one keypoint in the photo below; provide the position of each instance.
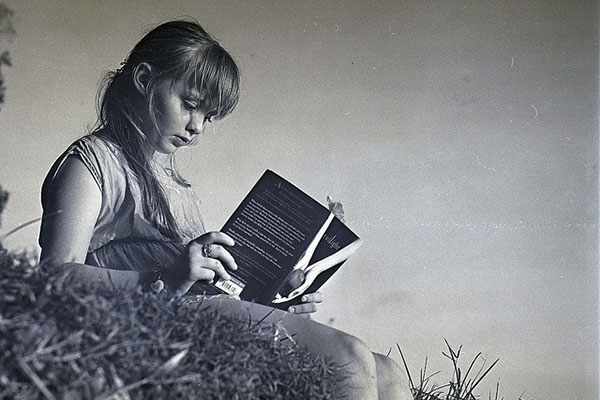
(90, 343)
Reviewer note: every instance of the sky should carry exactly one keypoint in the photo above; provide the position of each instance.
(460, 135)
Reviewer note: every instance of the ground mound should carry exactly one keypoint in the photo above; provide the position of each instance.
(103, 344)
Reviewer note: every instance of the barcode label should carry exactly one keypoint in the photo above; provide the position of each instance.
(233, 286)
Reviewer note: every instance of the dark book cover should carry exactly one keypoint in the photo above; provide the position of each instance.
(278, 228)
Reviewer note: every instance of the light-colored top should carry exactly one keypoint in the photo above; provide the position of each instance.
(123, 237)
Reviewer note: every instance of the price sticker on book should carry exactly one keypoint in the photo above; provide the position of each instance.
(233, 286)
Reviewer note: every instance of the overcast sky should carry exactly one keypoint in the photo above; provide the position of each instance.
(461, 137)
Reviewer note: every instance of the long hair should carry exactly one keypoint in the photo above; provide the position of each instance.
(176, 50)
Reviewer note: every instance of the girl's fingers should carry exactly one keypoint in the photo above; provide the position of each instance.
(210, 258)
(303, 308)
(316, 297)
(218, 252)
(308, 305)
(209, 269)
(214, 238)
(205, 274)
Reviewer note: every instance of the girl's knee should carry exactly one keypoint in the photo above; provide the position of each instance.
(387, 365)
(391, 379)
(357, 351)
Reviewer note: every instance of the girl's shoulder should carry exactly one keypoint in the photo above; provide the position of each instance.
(99, 153)
(97, 144)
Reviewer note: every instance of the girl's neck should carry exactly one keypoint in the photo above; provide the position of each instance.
(161, 159)
(154, 157)
(162, 164)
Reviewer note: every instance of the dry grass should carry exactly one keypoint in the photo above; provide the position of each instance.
(461, 386)
(98, 344)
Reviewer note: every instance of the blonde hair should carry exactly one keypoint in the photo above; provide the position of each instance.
(176, 50)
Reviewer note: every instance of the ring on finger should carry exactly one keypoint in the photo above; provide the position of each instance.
(206, 250)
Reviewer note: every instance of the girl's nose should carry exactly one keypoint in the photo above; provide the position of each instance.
(195, 124)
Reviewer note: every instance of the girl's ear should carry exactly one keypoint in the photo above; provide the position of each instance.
(141, 76)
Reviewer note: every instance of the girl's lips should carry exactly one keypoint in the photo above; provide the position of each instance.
(183, 140)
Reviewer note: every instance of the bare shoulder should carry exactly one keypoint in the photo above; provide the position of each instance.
(70, 213)
(73, 183)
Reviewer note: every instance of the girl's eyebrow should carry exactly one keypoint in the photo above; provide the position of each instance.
(193, 94)
(203, 99)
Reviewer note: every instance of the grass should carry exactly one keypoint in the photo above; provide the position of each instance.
(461, 386)
(96, 344)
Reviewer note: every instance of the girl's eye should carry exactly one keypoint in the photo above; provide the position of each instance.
(209, 117)
(190, 106)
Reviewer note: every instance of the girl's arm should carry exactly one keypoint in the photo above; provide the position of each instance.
(67, 230)
(66, 234)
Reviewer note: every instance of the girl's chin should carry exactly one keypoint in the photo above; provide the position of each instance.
(176, 142)
(170, 150)
(168, 146)
(163, 150)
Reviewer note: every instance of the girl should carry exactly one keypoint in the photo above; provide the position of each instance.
(117, 211)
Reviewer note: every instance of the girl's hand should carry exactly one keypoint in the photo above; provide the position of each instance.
(308, 305)
(203, 259)
(309, 300)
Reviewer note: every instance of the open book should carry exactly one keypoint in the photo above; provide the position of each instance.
(277, 229)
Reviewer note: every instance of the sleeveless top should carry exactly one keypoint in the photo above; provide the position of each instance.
(123, 238)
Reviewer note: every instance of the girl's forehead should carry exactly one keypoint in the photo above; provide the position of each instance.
(189, 88)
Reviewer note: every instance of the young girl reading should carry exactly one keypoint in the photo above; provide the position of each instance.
(117, 211)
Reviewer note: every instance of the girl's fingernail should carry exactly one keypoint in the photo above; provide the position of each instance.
(292, 310)
(304, 298)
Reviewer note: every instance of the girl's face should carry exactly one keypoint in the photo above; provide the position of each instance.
(181, 114)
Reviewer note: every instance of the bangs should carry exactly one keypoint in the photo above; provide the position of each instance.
(213, 72)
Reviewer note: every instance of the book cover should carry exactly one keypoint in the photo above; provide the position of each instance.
(278, 228)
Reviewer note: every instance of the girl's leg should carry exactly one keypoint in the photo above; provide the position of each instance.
(358, 362)
(391, 381)
(359, 367)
